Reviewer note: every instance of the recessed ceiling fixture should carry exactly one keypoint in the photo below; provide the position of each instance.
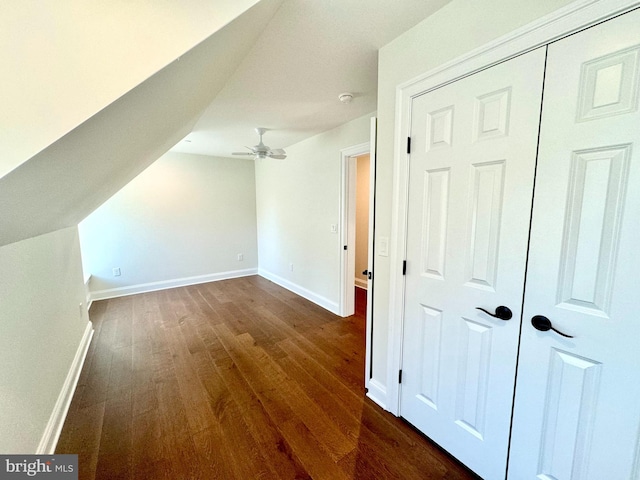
(345, 97)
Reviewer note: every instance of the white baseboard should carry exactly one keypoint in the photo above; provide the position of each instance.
(377, 392)
(87, 292)
(178, 282)
(51, 434)
(303, 292)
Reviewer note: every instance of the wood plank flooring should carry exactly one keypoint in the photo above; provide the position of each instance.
(237, 379)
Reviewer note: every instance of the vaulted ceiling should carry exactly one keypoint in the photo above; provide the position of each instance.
(93, 92)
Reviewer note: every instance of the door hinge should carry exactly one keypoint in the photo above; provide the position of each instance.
(400, 376)
(369, 275)
(345, 247)
(408, 144)
(404, 267)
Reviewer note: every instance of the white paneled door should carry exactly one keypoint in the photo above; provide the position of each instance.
(577, 406)
(472, 162)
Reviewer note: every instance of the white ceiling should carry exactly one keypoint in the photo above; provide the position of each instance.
(309, 53)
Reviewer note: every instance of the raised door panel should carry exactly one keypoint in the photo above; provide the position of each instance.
(434, 226)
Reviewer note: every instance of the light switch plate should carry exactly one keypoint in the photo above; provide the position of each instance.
(383, 246)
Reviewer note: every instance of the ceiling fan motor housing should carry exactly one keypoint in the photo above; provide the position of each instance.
(262, 151)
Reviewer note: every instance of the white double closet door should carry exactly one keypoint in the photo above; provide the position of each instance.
(472, 241)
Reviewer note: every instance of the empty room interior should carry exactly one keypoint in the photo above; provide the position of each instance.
(308, 239)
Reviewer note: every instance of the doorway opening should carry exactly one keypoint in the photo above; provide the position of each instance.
(354, 225)
(357, 208)
(362, 207)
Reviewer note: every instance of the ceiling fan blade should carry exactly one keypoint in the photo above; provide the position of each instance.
(263, 151)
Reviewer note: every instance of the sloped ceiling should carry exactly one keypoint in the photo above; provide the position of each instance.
(62, 61)
(66, 181)
(75, 128)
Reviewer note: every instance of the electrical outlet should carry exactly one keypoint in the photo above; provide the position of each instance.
(291, 267)
(240, 257)
(334, 228)
(116, 272)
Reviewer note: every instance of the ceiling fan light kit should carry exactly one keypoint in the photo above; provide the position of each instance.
(261, 150)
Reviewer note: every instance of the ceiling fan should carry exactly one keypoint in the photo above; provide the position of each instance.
(263, 151)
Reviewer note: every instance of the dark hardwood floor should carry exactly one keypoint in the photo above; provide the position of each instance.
(237, 379)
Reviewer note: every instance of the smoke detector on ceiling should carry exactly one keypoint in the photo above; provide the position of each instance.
(345, 97)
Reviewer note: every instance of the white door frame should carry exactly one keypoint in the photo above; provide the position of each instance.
(569, 19)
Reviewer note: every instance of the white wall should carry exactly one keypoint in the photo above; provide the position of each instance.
(298, 200)
(457, 28)
(185, 216)
(41, 326)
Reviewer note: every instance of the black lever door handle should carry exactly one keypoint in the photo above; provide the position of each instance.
(502, 312)
(364, 272)
(542, 323)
